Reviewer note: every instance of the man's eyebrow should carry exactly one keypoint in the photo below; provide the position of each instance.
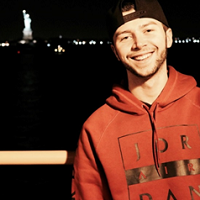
(142, 26)
(123, 32)
(149, 23)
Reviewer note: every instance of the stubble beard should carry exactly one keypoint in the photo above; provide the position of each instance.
(159, 62)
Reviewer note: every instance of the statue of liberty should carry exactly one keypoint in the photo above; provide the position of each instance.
(27, 32)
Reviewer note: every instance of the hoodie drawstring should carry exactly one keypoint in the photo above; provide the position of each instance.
(155, 145)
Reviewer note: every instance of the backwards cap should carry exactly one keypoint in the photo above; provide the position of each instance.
(143, 8)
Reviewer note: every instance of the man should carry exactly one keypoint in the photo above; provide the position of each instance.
(143, 143)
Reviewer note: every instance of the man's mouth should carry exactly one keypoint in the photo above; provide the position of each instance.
(142, 57)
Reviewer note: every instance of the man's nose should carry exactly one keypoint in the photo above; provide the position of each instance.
(139, 42)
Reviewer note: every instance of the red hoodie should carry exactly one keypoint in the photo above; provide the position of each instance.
(127, 151)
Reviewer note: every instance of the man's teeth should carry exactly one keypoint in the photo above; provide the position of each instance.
(139, 58)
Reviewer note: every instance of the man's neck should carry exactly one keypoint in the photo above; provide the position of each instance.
(148, 90)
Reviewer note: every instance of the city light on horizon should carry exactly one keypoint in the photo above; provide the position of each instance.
(90, 42)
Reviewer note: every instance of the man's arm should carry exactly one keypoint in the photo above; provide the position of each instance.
(89, 181)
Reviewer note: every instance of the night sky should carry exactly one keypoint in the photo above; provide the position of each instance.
(85, 19)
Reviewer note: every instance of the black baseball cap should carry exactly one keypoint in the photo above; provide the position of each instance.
(143, 9)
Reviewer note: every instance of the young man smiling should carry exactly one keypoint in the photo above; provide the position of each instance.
(141, 45)
(143, 143)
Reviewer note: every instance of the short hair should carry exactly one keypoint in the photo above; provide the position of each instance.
(128, 5)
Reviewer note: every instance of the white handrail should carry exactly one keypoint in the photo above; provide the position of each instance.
(47, 157)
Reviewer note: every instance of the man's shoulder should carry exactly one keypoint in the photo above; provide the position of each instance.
(194, 96)
(96, 124)
(103, 115)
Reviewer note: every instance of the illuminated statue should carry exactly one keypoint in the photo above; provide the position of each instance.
(27, 32)
(27, 20)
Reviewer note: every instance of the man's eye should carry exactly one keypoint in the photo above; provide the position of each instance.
(126, 38)
(149, 30)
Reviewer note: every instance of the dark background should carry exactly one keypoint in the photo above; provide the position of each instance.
(85, 19)
(45, 98)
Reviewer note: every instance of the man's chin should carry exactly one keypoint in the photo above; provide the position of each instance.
(143, 74)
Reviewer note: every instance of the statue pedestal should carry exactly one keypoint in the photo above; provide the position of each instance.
(27, 34)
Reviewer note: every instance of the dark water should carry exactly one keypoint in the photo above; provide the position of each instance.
(185, 58)
(45, 98)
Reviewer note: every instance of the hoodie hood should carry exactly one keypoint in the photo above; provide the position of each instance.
(123, 100)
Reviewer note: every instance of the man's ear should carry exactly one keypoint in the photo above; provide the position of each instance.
(114, 51)
(169, 35)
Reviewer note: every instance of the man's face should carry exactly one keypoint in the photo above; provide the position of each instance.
(141, 45)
